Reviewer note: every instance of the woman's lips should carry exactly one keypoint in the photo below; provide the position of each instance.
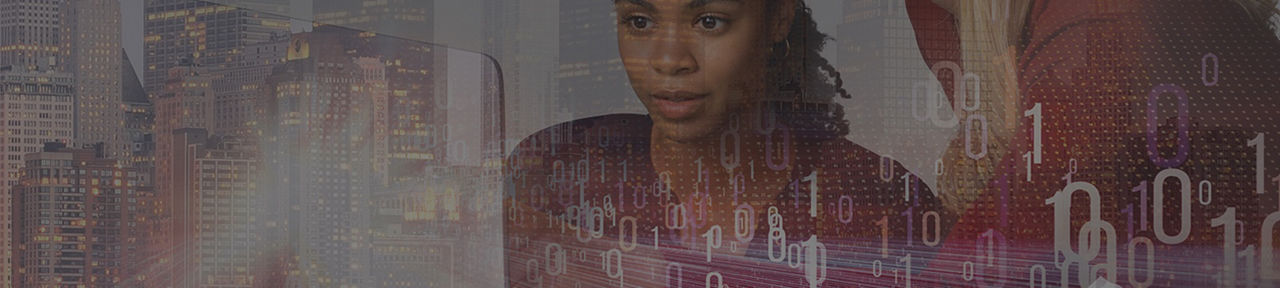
(678, 105)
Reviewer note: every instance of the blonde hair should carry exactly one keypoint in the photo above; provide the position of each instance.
(990, 32)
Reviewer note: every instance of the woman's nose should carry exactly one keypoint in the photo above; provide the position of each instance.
(674, 54)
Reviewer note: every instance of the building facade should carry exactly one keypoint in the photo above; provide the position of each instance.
(35, 108)
(202, 33)
(74, 213)
(318, 114)
(91, 51)
(221, 175)
(30, 33)
(410, 19)
(591, 79)
(187, 102)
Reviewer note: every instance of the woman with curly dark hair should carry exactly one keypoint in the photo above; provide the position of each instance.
(740, 174)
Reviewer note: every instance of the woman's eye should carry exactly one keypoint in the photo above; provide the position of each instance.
(711, 22)
(638, 22)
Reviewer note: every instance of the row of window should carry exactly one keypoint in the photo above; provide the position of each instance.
(37, 132)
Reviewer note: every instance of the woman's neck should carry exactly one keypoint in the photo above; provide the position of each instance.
(710, 163)
(685, 159)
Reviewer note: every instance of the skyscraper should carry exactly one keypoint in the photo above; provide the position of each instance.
(35, 108)
(202, 33)
(30, 33)
(350, 106)
(403, 30)
(203, 60)
(139, 115)
(318, 112)
(140, 133)
(410, 226)
(186, 102)
(90, 50)
(522, 37)
(74, 212)
(38, 40)
(235, 86)
(81, 38)
(220, 174)
(238, 43)
(591, 79)
(410, 19)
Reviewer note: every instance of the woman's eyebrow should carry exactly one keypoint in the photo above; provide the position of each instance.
(692, 4)
(702, 3)
(641, 3)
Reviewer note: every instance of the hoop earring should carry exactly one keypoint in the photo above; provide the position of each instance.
(786, 44)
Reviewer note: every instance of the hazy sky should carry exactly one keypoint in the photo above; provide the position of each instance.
(131, 32)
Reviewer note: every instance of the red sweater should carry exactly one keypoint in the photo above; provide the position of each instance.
(1130, 94)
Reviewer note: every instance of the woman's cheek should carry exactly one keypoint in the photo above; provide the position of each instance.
(729, 64)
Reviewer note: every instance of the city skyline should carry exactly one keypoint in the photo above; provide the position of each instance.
(204, 154)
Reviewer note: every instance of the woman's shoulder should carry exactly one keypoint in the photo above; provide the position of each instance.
(609, 129)
(843, 154)
(576, 140)
(851, 169)
(600, 128)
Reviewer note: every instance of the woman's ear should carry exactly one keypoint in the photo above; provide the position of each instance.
(784, 15)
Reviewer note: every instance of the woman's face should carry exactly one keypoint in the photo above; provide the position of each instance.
(694, 63)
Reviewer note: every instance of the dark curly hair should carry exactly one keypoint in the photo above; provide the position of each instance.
(806, 82)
